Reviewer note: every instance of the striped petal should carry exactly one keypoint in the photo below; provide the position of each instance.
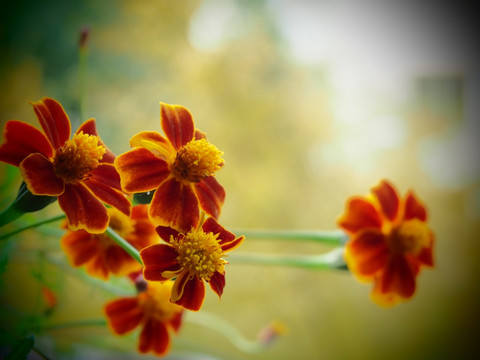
(177, 124)
(388, 198)
(360, 214)
(54, 121)
(174, 204)
(154, 337)
(158, 259)
(83, 209)
(366, 254)
(79, 246)
(188, 291)
(123, 314)
(21, 140)
(217, 283)
(414, 209)
(140, 170)
(156, 143)
(211, 196)
(37, 172)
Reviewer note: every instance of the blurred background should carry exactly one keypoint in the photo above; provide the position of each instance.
(311, 102)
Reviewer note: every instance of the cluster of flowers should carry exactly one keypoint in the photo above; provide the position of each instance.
(181, 243)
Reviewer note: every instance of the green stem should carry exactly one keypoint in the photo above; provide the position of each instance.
(334, 237)
(31, 226)
(223, 327)
(330, 260)
(124, 244)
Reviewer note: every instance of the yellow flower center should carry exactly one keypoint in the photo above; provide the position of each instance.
(200, 253)
(409, 237)
(156, 301)
(197, 160)
(80, 155)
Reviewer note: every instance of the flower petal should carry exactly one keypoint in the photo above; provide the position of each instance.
(156, 143)
(106, 174)
(140, 170)
(21, 140)
(211, 225)
(166, 233)
(177, 124)
(388, 198)
(217, 283)
(37, 172)
(119, 262)
(397, 283)
(211, 196)
(123, 314)
(154, 337)
(360, 214)
(188, 291)
(109, 195)
(366, 254)
(79, 246)
(174, 204)
(157, 259)
(426, 254)
(176, 321)
(89, 127)
(97, 266)
(414, 209)
(54, 121)
(83, 209)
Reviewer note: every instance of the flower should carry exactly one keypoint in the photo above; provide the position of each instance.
(100, 254)
(190, 258)
(152, 311)
(179, 168)
(79, 170)
(389, 242)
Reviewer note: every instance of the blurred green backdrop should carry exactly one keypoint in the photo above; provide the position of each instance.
(311, 102)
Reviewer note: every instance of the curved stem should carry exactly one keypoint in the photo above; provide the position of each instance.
(330, 260)
(227, 330)
(333, 237)
(124, 244)
(31, 226)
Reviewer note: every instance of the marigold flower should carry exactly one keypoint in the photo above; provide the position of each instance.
(152, 311)
(79, 170)
(100, 254)
(179, 168)
(191, 258)
(389, 242)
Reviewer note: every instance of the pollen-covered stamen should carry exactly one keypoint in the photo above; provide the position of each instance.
(197, 160)
(200, 253)
(77, 157)
(409, 237)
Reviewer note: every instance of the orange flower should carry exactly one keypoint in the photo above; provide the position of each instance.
(179, 168)
(79, 170)
(389, 242)
(152, 311)
(100, 254)
(191, 258)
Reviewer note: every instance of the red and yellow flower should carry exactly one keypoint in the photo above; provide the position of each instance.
(100, 254)
(152, 311)
(191, 258)
(180, 168)
(389, 242)
(79, 170)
